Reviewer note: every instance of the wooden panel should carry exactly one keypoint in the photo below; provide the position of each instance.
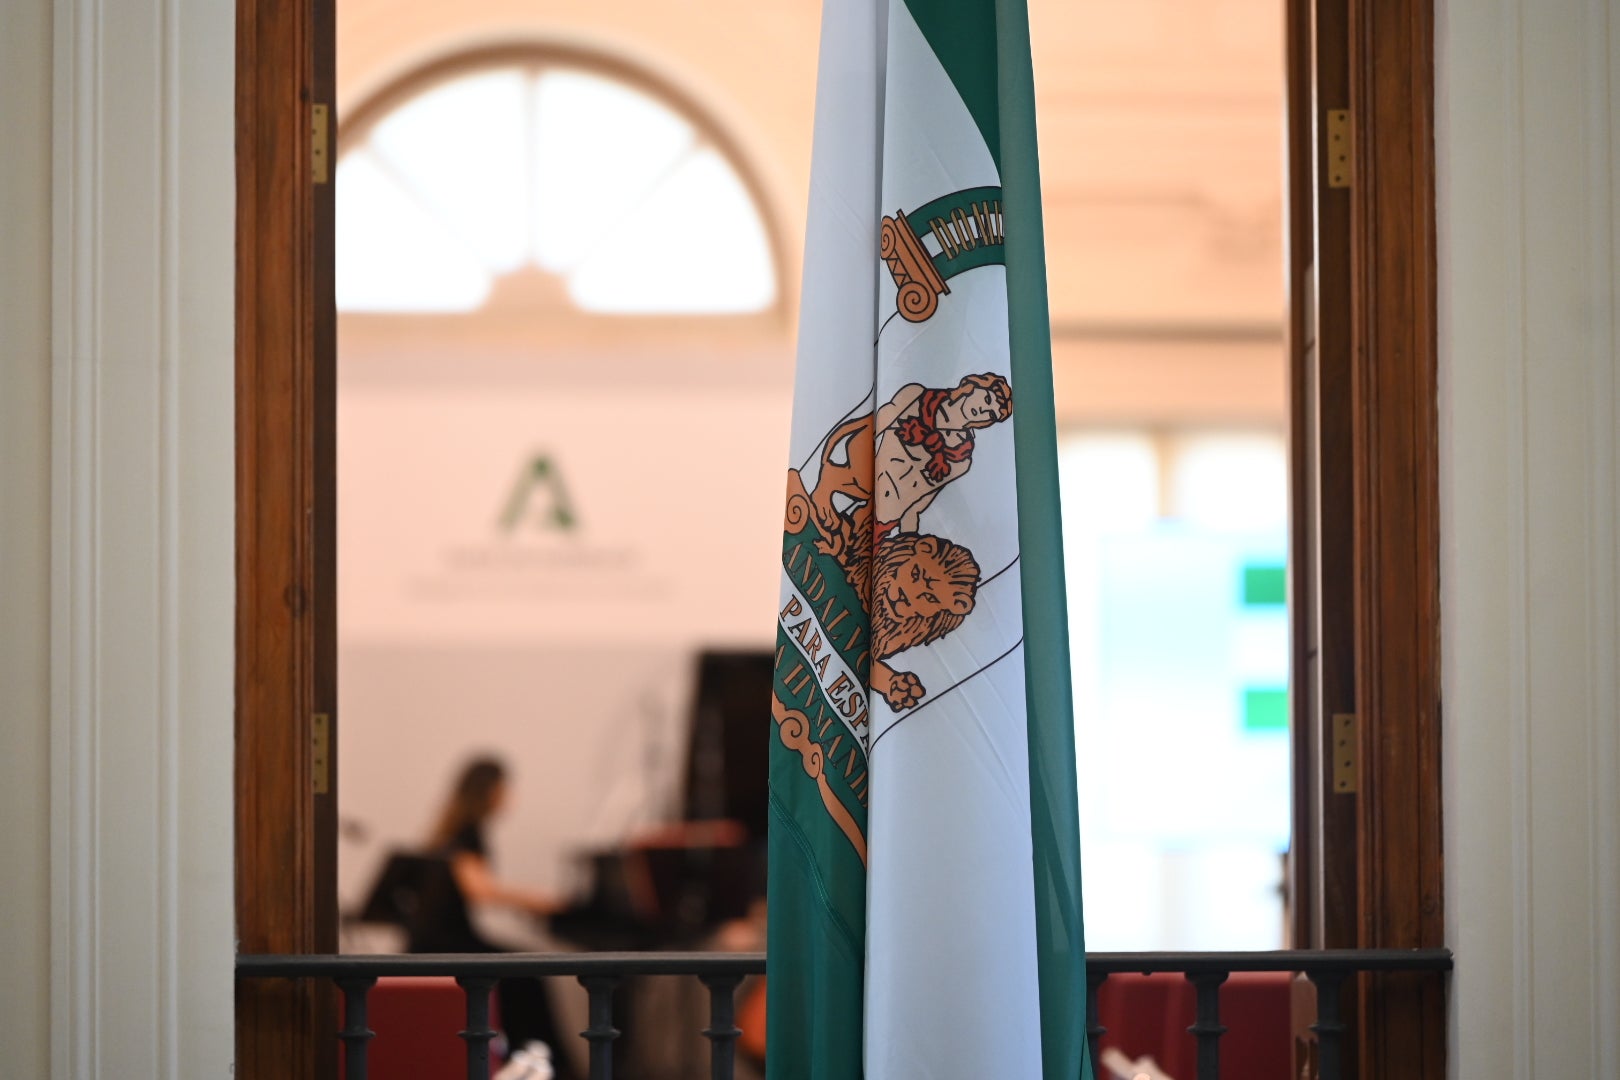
(1326, 851)
(285, 655)
(1300, 253)
(1397, 525)
(1366, 519)
(323, 465)
(1336, 919)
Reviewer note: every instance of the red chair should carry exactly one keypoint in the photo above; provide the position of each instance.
(416, 1019)
(1148, 1015)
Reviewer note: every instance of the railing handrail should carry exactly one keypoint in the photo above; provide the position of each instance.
(1324, 960)
(382, 965)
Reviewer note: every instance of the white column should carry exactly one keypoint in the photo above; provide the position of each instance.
(1528, 124)
(25, 394)
(142, 496)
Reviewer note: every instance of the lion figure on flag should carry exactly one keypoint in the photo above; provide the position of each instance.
(922, 588)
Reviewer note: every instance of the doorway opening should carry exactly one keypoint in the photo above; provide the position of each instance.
(288, 683)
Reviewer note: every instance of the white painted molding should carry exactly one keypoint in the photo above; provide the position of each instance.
(1528, 138)
(142, 495)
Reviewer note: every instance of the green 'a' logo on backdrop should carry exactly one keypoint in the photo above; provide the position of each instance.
(539, 496)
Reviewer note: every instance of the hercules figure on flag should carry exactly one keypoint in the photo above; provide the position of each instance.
(918, 443)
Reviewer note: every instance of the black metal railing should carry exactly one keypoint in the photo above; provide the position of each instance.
(1327, 969)
(601, 974)
(477, 973)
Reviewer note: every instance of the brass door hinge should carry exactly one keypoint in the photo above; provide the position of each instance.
(320, 753)
(320, 143)
(1346, 753)
(1340, 151)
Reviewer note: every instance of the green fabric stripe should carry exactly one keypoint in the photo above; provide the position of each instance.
(816, 995)
(1053, 790)
(962, 34)
(983, 255)
(942, 206)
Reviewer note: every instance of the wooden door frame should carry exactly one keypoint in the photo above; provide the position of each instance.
(1368, 865)
(1395, 420)
(286, 641)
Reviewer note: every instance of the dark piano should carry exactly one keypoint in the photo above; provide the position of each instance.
(673, 887)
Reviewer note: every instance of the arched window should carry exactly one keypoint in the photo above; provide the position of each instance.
(539, 181)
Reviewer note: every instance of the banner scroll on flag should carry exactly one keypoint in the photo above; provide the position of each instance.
(924, 891)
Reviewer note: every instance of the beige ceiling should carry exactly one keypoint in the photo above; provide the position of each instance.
(1161, 143)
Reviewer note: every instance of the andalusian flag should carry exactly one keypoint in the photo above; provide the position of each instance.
(924, 863)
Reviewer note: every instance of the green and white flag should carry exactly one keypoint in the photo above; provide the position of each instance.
(924, 855)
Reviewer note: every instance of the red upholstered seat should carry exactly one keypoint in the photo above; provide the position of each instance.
(1150, 1015)
(416, 1020)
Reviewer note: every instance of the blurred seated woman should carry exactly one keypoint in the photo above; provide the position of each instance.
(479, 794)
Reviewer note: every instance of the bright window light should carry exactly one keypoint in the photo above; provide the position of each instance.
(1232, 482)
(452, 149)
(686, 248)
(1175, 555)
(576, 174)
(393, 254)
(603, 149)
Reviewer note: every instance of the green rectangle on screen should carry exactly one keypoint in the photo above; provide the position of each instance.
(1265, 583)
(1265, 710)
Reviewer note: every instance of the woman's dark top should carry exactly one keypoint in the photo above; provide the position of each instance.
(443, 923)
(444, 926)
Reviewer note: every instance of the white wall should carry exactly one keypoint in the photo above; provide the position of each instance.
(1528, 122)
(25, 386)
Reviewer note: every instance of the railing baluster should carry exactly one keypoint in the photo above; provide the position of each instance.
(478, 1032)
(1208, 1027)
(1328, 1027)
(1094, 1029)
(722, 1031)
(601, 1033)
(355, 1033)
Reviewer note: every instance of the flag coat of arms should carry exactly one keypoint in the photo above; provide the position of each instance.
(924, 892)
